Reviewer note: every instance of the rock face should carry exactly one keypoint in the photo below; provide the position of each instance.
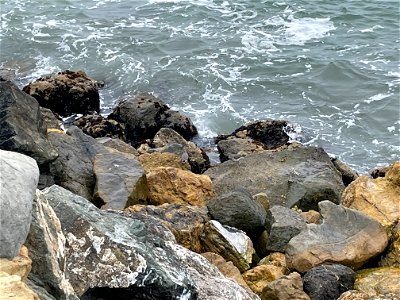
(144, 114)
(238, 209)
(328, 281)
(231, 243)
(21, 125)
(379, 198)
(276, 259)
(172, 185)
(300, 176)
(345, 236)
(260, 276)
(391, 257)
(66, 93)
(285, 288)
(20, 265)
(151, 161)
(120, 181)
(117, 144)
(98, 126)
(11, 287)
(19, 177)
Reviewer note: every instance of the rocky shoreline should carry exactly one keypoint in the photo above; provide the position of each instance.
(128, 207)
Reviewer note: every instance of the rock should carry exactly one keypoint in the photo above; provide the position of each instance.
(300, 176)
(285, 288)
(185, 222)
(311, 216)
(19, 177)
(238, 209)
(21, 125)
(348, 175)
(11, 287)
(328, 281)
(283, 224)
(7, 74)
(378, 198)
(226, 267)
(40, 291)
(262, 199)
(20, 265)
(276, 259)
(391, 256)
(379, 282)
(66, 93)
(172, 185)
(235, 148)
(118, 145)
(378, 171)
(120, 181)
(260, 276)
(144, 114)
(151, 161)
(231, 243)
(260, 243)
(354, 295)
(51, 120)
(345, 236)
(97, 126)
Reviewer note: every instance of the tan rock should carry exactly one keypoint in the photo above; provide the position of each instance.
(285, 288)
(150, 161)
(172, 185)
(382, 282)
(11, 287)
(311, 216)
(259, 277)
(354, 295)
(391, 258)
(20, 265)
(262, 198)
(277, 259)
(379, 198)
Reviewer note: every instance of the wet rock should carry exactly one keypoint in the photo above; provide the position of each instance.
(300, 176)
(328, 281)
(118, 145)
(345, 236)
(120, 181)
(151, 161)
(66, 93)
(231, 243)
(51, 120)
(22, 127)
(285, 288)
(144, 114)
(235, 148)
(185, 222)
(97, 126)
(11, 287)
(311, 216)
(172, 185)
(260, 276)
(348, 174)
(391, 256)
(19, 177)
(20, 265)
(238, 209)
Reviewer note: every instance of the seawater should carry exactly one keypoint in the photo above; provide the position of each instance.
(329, 67)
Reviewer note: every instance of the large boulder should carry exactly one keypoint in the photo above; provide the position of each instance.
(298, 176)
(19, 177)
(66, 93)
(98, 126)
(285, 288)
(345, 236)
(144, 114)
(21, 125)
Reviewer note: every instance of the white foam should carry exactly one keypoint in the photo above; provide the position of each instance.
(377, 97)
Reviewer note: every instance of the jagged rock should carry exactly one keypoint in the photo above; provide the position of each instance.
(348, 174)
(172, 185)
(285, 288)
(260, 276)
(185, 222)
(51, 120)
(118, 145)
(379, 198)
(120, 181)
(11, 287)
(276, 259)
(238, 209)
(20, 265)
(144, 114)
(231, 243)
(19, 177)
(345, 236)
(98, 126)
(151, 161)
(22, 127)
(282, 224)
(300, 176)
(328, 281)
(66, 93)
(311, 216)
(235, 148)
(391, 257)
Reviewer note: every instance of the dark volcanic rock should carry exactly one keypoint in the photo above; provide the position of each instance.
(328, 282)
(144, 114)
(66, 93)
(98, 126)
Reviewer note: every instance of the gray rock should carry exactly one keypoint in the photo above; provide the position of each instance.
(39, 290)
(50, 119)
(328, 282)
(117, 144)
(21, 125)
(348, 174)
(235, 148)
(19, 177)
(300, 176)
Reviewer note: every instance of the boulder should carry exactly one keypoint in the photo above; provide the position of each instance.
(348, 174)
(262, 199)
(285, 288)
(7, 74)
(260, 276)
(378, 198)
(345, 236)
(391, 256)
(120, 181)
(185, 222)
(39, 290)
(354, 295)
(144, 114)
(172, 185)
(235, 148)
(98, 126)
(19, 177)
(22, 127)
(231, 243)
(238, 209)
(276, 259)
(328, 281)
(20, 265)
(51, 120)
(311, 216)
(379, 171)
(117, 144)
(66, 93)
(11, 287)
(151, 161)
(299, 176)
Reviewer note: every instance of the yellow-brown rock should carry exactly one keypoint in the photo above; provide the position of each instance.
(150, 161)
(260, 276)
(391, 258)
(11, 287)
(379, 198)
(20, 265)
(379, 282)
(277, 259)
(172, 185)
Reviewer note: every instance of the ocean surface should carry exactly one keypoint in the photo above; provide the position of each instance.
(329, 67)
